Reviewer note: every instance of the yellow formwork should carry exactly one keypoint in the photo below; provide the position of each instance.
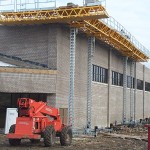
(60, 15)
(110, 36)
(85, 18)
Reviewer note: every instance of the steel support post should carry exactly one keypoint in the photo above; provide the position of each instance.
(124, 88)
(131, 92)
(143, 91)
(109, 86)
(91, 47)
(135, 90)
(73, 32)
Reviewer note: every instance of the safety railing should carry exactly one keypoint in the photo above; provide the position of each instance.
(95, 2)
(26, 5)
(112, 23)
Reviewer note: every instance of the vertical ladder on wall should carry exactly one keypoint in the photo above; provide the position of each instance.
(91, 45)
(72, 76)
(124, 88)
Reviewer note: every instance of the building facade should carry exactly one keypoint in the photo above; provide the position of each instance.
(40, 59)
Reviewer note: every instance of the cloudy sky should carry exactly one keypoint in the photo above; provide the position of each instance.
(134, 15)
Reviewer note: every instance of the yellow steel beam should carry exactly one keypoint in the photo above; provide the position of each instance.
(59, 15)
(110, 36)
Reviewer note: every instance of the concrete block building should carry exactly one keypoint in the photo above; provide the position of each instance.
(39, 56)
(107, 86)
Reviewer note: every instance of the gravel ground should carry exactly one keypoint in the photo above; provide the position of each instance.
(101, 142)
(122, 138)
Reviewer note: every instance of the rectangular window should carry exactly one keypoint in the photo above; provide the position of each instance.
(100, 74)
(121, 79)
(117, 78)
(113, 78)
(139, 84)
(97, 74)
(134, 83)
(94, 73)
(147, 86)
(104, 75)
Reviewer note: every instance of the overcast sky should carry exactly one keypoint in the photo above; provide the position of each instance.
(134, 15)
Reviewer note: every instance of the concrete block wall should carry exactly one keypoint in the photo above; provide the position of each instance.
(99, 104)
(147, 94)
(62, 87)
(49, 44)
(63, 66)
(35, 43)
(139, 93)
(128, 100)
(139, 105)
(116, 62)
(116, 104)
(147, 74)
(139, 71)
(146, 105)
(51, 99)
(116, 92)
(27, 83)
(81, 81)
(52, 46)
(100, 55)
(99, 90)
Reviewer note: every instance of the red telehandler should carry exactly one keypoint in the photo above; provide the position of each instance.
(36, 120)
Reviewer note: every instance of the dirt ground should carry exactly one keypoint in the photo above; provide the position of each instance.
(104, 141)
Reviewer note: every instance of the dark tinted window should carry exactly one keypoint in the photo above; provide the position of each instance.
(139, 84)
(117, 78)
(147, 86)
(100, 74)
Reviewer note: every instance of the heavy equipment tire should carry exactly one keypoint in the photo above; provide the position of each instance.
(14, 142)
(49, 136)
(66, 136)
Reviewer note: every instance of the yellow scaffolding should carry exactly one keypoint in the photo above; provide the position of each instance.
(86, 19)
(110, 36)
(60, 15)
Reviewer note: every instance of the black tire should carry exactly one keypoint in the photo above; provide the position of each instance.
(14, 142)
(49, 136)
(35, 141)
(66, 136)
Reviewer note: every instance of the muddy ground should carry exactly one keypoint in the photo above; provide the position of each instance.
(136, 140)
